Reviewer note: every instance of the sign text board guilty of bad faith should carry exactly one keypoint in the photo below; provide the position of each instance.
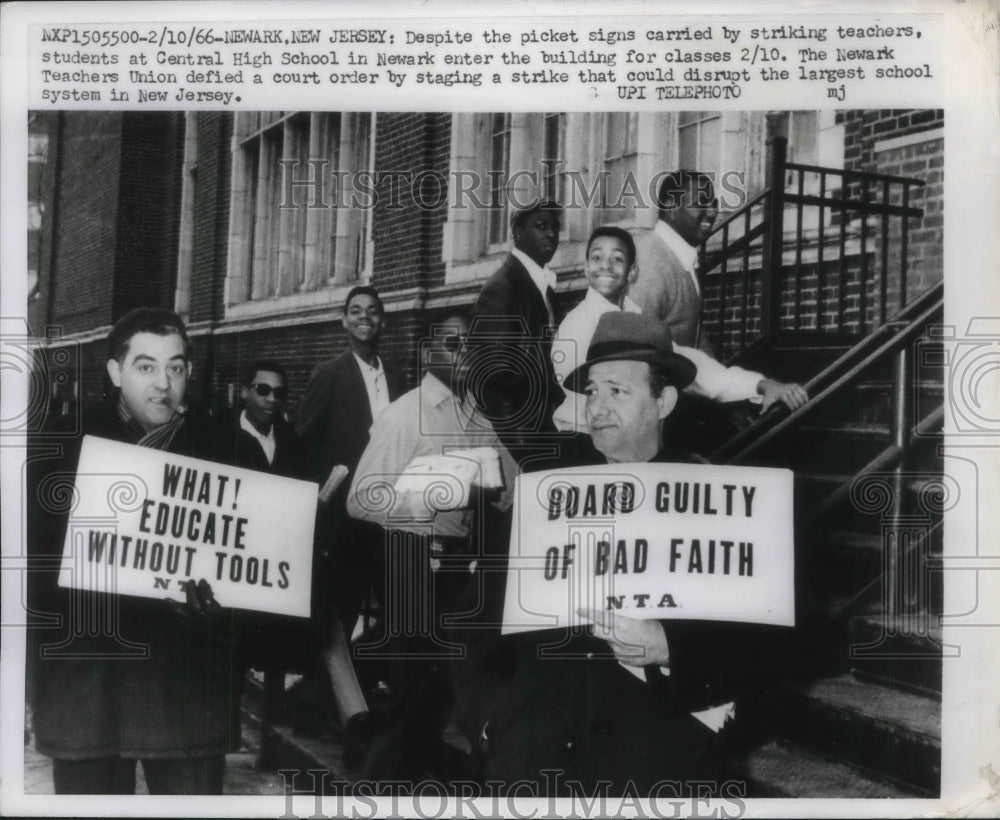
(146, 522)
(662, 541)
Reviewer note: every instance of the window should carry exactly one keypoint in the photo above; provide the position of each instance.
(293, 228)
(803, 147)
(621, 152)
(361, 139)
(38, 148)
(497, 172)
(554, 157)
(699, 141)
(803, 134)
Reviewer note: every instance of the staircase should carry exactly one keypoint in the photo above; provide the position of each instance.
(853, 705)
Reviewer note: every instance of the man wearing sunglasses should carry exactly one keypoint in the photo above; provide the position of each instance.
(263, 440)
(266, 441)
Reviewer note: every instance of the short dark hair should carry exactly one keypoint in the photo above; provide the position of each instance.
(620, 234)
(363, 290)
(158, 321)
(675, 184)
(265, 365)
(657, 380)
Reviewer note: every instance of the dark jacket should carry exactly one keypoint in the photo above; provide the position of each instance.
(334, 416)
(510, 362)
(265, 640)
(333, 420)
(116, 675)
(571, 706)
(241, 449)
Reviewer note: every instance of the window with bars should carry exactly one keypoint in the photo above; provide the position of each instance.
(292, 227)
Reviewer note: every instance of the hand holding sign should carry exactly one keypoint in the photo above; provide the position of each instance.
(199, 607)
(634, 642)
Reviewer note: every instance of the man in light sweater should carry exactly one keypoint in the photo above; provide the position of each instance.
(610, 270)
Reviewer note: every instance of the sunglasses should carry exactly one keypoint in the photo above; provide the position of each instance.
(452, 343)
(265, 390)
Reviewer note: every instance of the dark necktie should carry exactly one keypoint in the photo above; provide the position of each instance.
(549, 297)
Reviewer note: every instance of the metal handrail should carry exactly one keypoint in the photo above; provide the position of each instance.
(897, 340)
(862, 194)
(852, 172)
(775, 411)
(739, 212)
(846, 203)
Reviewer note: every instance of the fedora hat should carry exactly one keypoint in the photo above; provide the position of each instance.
(633, 337)
(519, 214)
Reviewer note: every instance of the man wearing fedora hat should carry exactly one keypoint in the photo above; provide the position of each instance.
(631, 703)
(125, 678)
(510, 339)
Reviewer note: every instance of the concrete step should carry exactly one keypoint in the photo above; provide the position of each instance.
(901, 653)
(893, 735)
(780, 769)
(838, 564)
(316, 755)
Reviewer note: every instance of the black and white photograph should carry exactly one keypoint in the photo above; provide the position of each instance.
(787, 266)
(365, 452)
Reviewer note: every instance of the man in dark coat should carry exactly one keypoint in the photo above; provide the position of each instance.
(120, 678)
(345, 394)
(259, 438)
(509, 363)
(343, 397)
(635, 703)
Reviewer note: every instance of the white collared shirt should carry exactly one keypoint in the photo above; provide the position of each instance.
(542, 277)
(375, 384)
(267, 442)
(687, 254)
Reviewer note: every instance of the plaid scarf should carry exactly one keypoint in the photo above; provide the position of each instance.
(158, 439)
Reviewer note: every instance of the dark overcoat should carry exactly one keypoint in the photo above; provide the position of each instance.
(116, 675)
(510, 360)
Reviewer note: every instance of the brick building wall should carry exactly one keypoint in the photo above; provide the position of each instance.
(408, 260)
(863, 129)
(148, 208)
(82, 222)
(211, 216)
(828, 296)
(108, 240)
(411, 155)
(908, 143)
